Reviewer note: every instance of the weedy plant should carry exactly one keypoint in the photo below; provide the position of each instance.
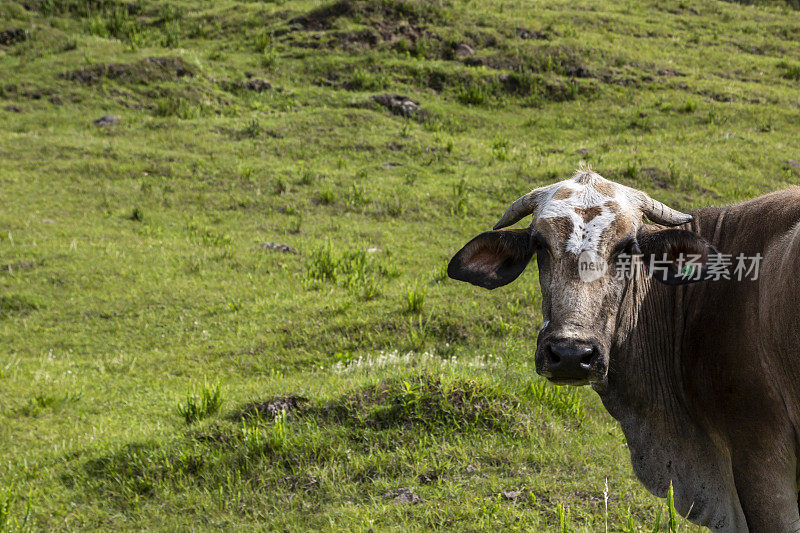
(8, 522)
(269, 58)
(500, 148)
(789, 71)
(459, 201)
(563, 518)
(473, 94)
(358, 271)
(440, 274)
(326, 196)
(253, 129)
(201, 404)
(415, 300)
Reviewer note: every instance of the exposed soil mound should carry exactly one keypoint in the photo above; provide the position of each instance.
(12, 36)
(427, 401)
(145, 71)
(322, 18)
(255, 85)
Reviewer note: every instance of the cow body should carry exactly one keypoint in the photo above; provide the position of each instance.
(703, 377)
(706, 384)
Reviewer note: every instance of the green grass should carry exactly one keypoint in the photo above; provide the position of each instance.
(132, 268)
(202, 404)
(9, 520)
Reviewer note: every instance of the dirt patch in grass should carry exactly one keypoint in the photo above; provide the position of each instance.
(399, 23)
(19, 265)
(658, 177)
(377, 12)
(146, 71)
(14, 304)
(552, 89)
(562, 60)
(29, 92)
(271, 408)
(322, 18)
(80, 7)
(13, 36)
(356, 39)
(252, 85)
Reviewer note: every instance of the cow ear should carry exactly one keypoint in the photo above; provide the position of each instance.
(676, 256)
(493, 258)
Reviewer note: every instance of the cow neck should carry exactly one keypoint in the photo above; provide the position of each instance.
(644, 377)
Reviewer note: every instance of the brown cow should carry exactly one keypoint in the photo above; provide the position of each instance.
(704, 378)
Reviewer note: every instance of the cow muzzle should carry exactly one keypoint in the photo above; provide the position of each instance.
(571, 362)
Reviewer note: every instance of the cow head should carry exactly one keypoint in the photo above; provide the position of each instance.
(580, 228)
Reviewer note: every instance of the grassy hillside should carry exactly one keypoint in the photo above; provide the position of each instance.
(162, 366)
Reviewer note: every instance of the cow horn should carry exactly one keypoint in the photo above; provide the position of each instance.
(522, 207)
(660, 213)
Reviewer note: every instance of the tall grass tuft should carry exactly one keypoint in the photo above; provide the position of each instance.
(460, 196)
(790, 71)
(473, 94)
(356, 270)
(673, 520)
(563, 518)
(415, 300)
(201, 404)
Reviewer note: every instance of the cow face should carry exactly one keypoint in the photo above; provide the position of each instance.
(581, 229)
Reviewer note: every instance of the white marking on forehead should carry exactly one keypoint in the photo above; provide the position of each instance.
(585, 236)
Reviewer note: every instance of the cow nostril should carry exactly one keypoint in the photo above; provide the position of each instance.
(571, 360)
(571, 355)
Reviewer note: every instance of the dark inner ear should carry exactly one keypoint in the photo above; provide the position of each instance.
(493, 258)
(675, 256)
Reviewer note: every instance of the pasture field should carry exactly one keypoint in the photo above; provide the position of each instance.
(162, 367)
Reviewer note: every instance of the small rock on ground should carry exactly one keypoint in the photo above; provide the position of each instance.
(511, 495)
(403, 495)
(793, 163)
(105, 120)
(278, 247)
(398, 104)
(464, 50)
(272, 408)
